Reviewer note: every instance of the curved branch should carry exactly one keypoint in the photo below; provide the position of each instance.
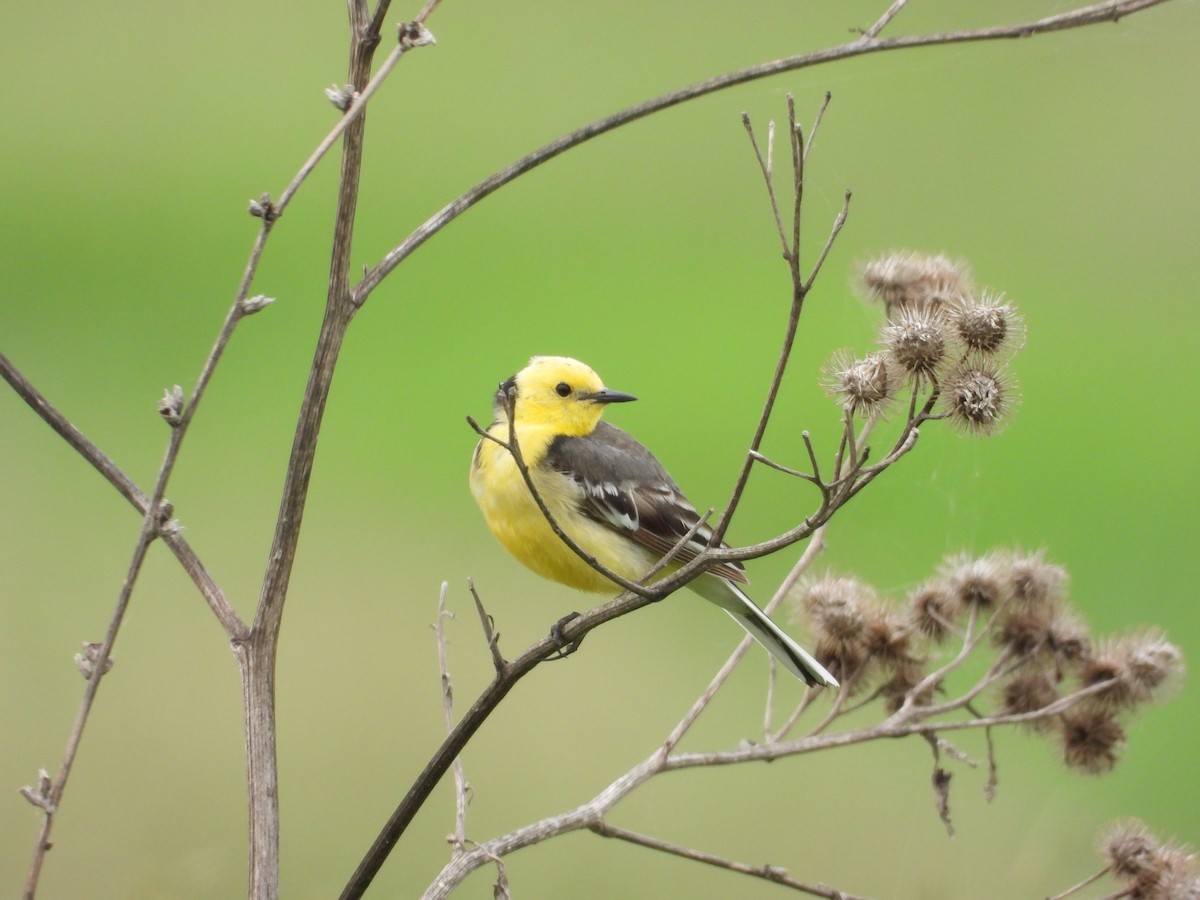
(862, 46)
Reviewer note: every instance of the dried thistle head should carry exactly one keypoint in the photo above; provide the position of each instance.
(981, 582)
(866, 385)
(1024, 630)
(1149, 868)
(1070, 640)
(1028, 692)
(1177, 876)
(837, 613)
(905, 676)
(916, 343)
(1033, 582)
(977, 397)
(1090, 739)
(914, 281)
(1129, 848)
(932, 609)
(986, 324)
(887, 637)
(1138, 667)
(1178, 880)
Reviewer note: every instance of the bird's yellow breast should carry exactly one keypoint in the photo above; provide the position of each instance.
(515, 519)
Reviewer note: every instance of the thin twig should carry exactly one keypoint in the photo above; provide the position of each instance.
(381, 11)
(882, 22)
(768, 872)
(833, 233)
(799, 156)
(489, 629)
(780, 467)
(764, 165)
(458, 839)
(1076, 888)
(817, 120)
(99, 668)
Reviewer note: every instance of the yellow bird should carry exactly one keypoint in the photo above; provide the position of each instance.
(606, 491)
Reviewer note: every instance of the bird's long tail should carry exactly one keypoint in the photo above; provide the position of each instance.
(743, 610)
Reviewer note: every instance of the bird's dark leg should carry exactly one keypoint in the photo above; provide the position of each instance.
(565, 647)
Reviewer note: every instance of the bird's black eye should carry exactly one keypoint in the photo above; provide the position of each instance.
(562, 389)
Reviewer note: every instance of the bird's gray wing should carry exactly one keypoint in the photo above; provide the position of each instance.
(627, 489)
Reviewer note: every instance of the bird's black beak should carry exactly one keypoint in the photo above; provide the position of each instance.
(607, 396)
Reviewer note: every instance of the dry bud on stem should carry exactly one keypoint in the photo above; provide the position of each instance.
(86, 661)
(341, 97)
(170, 407)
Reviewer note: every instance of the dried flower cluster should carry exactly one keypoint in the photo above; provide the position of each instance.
(943, 335)
(1148, 868)
(1048, 673)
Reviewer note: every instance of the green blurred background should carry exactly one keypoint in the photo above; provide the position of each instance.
(1064, 168)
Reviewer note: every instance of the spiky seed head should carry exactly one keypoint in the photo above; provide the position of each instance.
(986, 324)
(1129, 848)
(1091, 738)
(916, 343)
(887, 636)
(864, 385)
(1070, 640)
(1177, 877)
(1024, 630)
(1149, 868)
(1028, 692)
(906, 675)
(907, 280)
(978, 582)
(836, 609)
(932, 609)
(1138, 668)
(977, 398)
(1035, 582)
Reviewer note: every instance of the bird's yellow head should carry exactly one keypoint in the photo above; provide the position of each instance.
(557, 391)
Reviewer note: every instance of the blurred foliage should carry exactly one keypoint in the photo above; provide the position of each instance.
(1062, 167)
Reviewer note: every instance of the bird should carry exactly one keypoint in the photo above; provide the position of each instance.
(607, 492)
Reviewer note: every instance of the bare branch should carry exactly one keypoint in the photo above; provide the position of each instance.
(458, 839)
(767, 872)
(888, 14)
(833, 233)
(100, 665)
(489, 632)
(1090, 880)
(764, 166)
(817, 120)
(1087, 15)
